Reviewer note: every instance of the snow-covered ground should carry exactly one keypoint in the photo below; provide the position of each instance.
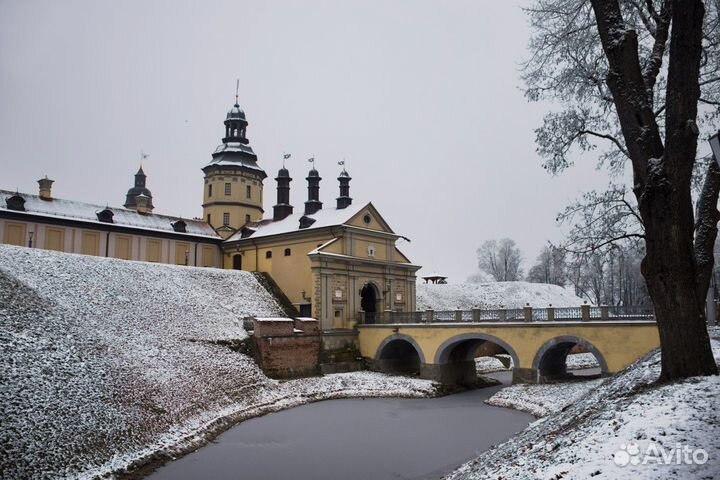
(492, 295)
(610, 429)
(542, 400)
(108, 363)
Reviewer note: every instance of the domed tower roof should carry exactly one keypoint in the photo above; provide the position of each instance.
(138, 189)
(235, 113)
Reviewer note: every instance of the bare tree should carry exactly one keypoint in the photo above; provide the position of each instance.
(550, 267)
(500, 259)
(605, 61)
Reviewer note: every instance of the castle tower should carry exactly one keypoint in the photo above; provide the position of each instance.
(233, 191)
(139, 189)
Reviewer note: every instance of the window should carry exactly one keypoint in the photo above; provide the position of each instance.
(247, 218)
(287, 252)
(248, 191)
(209, 192)
(226, 218)
(209, 219)
(268, 254)
(228, 189)
(371, 250)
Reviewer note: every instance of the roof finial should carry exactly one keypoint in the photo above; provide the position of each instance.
(285, 157)
(143, 156)
(237, 90)
(312, 160)
(342, 162)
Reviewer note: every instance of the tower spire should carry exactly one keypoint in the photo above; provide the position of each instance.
(237, 90)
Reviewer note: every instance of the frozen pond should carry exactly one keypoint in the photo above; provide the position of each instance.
(355, 439)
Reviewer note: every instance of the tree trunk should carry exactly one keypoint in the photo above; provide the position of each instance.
(662, 175)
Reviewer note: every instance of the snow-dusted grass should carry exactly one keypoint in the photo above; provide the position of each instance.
(109, 363)
(580, 440)
(542, 400)
(465, 296)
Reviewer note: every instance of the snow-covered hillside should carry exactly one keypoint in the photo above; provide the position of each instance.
(615, 428)
(492, 295)
(107, 362)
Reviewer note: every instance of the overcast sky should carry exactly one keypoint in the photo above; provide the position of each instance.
(422, 99)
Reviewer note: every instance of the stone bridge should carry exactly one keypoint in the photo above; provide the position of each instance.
(442, 345)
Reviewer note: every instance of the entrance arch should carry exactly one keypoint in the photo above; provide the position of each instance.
(550, 360)
(369, 299)
(237, 262)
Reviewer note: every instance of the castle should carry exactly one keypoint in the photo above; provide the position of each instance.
(330, 263)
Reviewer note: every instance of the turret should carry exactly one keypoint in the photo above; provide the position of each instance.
(344, 199)
(313, 203)
(283, 207)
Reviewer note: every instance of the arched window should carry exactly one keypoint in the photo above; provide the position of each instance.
(287, 252)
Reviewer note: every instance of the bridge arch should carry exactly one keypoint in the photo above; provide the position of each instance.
(399, 354)
(550, 359)
(468, 343)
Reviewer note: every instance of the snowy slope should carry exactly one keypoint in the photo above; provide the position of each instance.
(492, 295)
(581, 440)
(108, 363)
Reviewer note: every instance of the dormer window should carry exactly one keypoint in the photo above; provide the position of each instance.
(105, 216)
(305, 221)
(16, 202)
(179, 226)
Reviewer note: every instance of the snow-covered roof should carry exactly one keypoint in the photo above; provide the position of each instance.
(87, 212)
(434, 275)
(235, 154)
(325, 217)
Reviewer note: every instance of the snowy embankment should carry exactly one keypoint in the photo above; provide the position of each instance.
(107, 363)
(618, 427)
(465, 296)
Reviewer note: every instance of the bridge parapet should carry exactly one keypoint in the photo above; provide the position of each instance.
(585, 313)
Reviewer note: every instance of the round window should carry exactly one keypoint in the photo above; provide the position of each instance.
(367, 219)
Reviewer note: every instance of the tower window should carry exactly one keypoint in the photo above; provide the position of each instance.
(210, 190)
(247, 218)
(228, 188)
(248, 191)
(287, 252)
(226, 218)
(268, 254)
(209, 219)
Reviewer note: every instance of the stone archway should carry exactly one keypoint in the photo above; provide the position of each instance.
(369, 301)
(399, 354)
(454, 361)
(550, 360)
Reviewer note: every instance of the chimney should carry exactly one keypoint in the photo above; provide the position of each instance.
(143, 204)
(283, 207)
(313, 203)
(46, 188)
(344, 199)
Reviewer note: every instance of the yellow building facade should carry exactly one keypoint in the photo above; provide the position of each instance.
(331, 263)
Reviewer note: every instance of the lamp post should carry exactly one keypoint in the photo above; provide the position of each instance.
(710, 299)
(30, 237)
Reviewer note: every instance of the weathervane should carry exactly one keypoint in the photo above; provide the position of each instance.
(143, 156)
(312, 160)
(342, 162)
(285, 157)
(237, 90)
